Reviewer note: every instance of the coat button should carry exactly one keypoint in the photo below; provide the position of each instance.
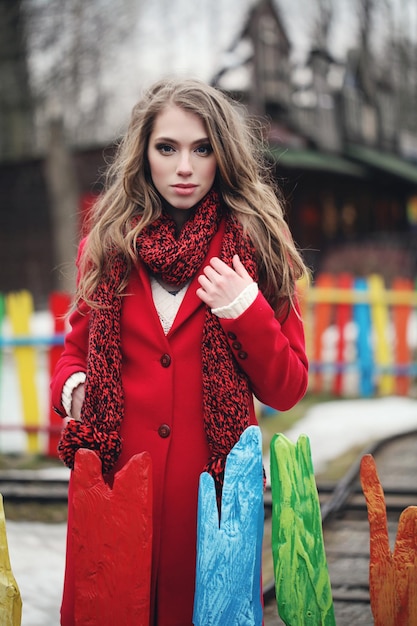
(236, 345)
(231, 335)
(164, 431)
(242, 355)
(165, 360)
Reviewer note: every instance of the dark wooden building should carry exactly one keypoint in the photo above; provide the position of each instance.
(343, 154)
(342, 151)
(27, 259)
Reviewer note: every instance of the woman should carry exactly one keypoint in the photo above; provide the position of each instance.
(185, 308)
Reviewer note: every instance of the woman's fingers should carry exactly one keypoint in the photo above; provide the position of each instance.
(220, 284)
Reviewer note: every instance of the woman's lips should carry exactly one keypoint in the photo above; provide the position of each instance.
(184, 190)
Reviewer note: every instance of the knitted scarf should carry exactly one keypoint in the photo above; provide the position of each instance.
(226, 392)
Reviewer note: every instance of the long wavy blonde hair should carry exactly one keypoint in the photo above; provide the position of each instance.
(243, 180)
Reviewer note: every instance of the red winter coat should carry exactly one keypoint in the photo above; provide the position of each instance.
(162, 384)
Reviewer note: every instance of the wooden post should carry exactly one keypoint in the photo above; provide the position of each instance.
(343, 317)
(392, 575)
(10, 600)
(19, 310)
(302, 581)
(403, 355)
(322, 319)
(229, 550)
(362, 317)
(383, 353)
(112, 542)
(63, 190)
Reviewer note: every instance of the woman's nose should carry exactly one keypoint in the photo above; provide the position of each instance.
(184, 167)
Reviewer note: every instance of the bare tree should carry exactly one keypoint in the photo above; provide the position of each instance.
(322, 24)
(399, 62)
(72, 47)
(16, 105)
(63, 191)
(70, 43)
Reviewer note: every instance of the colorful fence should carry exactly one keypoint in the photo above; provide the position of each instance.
(361, 340)
(110, 588)
(30, 346)
(361, 337)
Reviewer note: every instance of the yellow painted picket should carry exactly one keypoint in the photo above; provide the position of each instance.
(10, 600)
(380, 322)
(19, 308)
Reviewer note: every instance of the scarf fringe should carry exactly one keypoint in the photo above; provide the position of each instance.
(77, 435)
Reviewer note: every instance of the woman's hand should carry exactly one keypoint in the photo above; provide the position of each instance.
(77, 402)
(221, 284)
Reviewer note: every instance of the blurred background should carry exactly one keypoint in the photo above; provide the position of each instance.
(334, 83)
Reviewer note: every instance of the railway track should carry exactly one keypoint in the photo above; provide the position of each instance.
(344, 515)
(36, 486)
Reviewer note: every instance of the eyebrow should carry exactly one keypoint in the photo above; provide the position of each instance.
(170, 140)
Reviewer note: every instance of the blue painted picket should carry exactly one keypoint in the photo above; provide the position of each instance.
(229, 551)
(362, 318)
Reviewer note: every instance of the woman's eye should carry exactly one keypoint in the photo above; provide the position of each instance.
(164, 148)
(204, 150)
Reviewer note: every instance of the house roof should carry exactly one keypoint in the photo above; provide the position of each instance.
(357, 161)
(241, 51)
(384, 162)
(252, 13)
(313, 160)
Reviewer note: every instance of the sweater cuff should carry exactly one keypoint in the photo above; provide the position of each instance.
(78, 378)
(239, 304)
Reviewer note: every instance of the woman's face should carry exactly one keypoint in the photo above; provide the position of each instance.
(181, 159)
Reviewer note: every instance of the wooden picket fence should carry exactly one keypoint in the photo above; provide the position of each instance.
(28, 353)
(361, 341)
(361, 336)
(110, 587)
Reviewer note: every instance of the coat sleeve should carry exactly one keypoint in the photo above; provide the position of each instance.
(73, 358)
(271, 353)
(74, 355)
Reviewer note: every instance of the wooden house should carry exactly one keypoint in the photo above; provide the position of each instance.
(27, 250)
(336, 143)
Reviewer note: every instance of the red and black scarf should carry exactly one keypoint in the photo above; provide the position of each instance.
(226, 391)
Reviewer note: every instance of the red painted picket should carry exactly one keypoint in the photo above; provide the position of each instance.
(342, 317)
(321, 320)
(403, 354)
(111, 535)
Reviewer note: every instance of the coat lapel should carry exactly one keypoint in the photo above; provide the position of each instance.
(191, 301)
